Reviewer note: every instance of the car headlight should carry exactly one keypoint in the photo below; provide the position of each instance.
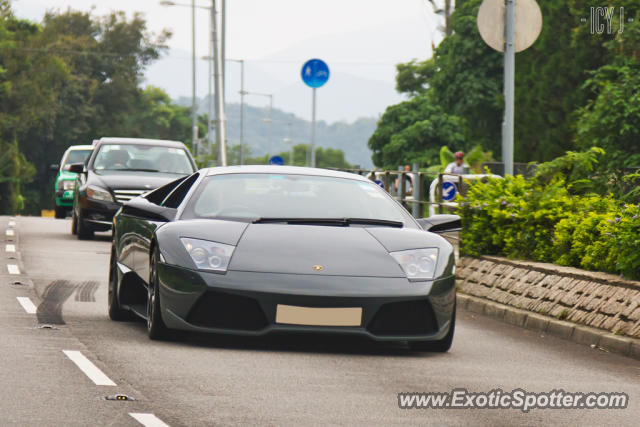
(418, 264)
(67, 185)
(206, 255)
(97, 193)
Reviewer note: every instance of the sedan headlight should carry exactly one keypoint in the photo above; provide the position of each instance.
(206, 255)
(418, 264)
(97, 193)
(67, 185)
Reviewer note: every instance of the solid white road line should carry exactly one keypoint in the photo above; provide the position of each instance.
(89, 369)
(26, 303)
(148, 420)
(10, 248)
(13, 269)
(9, 232)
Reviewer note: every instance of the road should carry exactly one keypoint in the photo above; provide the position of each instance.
(283, 380)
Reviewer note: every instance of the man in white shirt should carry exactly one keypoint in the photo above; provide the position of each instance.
(458, 167)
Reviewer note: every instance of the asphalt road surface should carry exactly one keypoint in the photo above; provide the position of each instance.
(283, 380)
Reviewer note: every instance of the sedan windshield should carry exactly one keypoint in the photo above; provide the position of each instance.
(138, 157)
(298, 198)
(76, 156)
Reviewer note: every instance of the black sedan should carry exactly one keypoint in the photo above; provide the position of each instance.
(119, 170)
(258, 249)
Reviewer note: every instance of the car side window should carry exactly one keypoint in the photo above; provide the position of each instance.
(176, 197)
(159, 194)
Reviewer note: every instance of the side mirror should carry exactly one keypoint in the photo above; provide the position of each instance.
(142, 208)
(54, 168)
(441, 223)
(76, 167)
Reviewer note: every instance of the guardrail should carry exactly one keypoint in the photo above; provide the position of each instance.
(416, 197)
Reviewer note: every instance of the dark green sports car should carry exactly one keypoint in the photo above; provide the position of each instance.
(258, 249)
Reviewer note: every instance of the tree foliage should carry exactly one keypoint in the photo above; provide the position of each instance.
(574, 89)
(71, 79)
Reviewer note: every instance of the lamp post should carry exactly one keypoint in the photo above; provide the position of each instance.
(270, 119)
(217, 73)
(242, 94)
(194, 113)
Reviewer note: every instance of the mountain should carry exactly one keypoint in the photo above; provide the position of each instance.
(351, 138)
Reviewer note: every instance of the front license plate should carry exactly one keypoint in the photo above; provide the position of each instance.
(314, 316)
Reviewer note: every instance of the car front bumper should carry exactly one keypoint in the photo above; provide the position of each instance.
(64, 198)
(98, 214)
(246, 303)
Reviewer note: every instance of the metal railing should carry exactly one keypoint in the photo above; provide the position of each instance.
(417, 196)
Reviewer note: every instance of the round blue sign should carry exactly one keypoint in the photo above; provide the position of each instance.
(276, 160)
(449, 191)
(315, 73)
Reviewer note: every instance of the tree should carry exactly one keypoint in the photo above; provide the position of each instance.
(413, 131)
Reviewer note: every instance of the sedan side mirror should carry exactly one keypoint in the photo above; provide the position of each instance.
(441, 223)
(54, 168)
(76, 167)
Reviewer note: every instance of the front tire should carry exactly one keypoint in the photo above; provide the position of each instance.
(439, 346)
(61, 212)
(116, 312)
(156, 328)
(74, 222)
(83, 230)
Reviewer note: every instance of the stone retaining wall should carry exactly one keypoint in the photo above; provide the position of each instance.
(594, 299)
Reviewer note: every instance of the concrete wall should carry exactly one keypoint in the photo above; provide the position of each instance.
(598, 300)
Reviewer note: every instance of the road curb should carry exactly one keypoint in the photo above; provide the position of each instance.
(580, 334)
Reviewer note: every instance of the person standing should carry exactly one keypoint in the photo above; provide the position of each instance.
(457, 167)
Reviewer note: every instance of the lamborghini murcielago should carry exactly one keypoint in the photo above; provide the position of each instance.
(258, 249)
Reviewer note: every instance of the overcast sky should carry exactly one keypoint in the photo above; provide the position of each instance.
(257, 28)
(364, 39)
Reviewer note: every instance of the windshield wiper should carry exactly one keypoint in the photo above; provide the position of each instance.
(373, 221)
(140, 170)
(344, 222)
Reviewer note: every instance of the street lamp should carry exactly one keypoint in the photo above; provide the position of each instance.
(270, 119)
(194, 113)
(218, 78)
(242, 94)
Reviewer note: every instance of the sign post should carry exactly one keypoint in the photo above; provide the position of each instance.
(315, 73)
(509, 26)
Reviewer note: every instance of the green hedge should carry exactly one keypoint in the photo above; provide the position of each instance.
(521, 218)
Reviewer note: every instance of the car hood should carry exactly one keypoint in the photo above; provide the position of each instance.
(302, 249)
(129, 180)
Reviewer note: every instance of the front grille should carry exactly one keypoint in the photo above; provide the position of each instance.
(404, 319)
(126, 195)
(227, 311)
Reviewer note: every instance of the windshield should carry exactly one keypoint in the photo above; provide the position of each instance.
(137, 157)
(76, 156)
(260, 196)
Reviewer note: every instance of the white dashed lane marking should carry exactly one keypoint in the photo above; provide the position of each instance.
(13, 269)
(10, 232)
(12, 223)
(28, 306)
(10, 248)
(90, 370)
(148, 420)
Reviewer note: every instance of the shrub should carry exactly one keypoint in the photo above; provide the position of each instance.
(529, 219)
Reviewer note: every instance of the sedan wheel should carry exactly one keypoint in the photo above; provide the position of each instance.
(84, 232)
(156, 328)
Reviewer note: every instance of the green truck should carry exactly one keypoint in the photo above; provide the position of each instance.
(65, 180)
